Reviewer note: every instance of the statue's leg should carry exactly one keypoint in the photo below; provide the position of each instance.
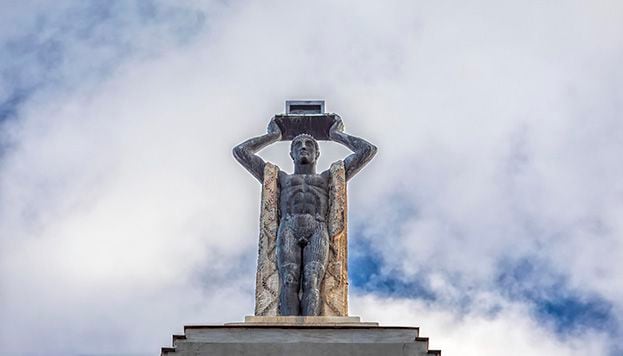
(315, 256)
(289, 266)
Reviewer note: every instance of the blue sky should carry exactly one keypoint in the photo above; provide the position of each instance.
(491, 216)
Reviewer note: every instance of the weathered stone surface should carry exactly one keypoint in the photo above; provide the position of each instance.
(307, 338)
(303, 349)
(267, 276)
(334, 290)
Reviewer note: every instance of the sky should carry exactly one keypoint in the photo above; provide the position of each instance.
(491, 217)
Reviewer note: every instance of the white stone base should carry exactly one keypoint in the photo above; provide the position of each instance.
(306, 336)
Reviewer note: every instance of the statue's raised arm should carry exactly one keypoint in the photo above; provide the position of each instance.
(363, 150)
(245, 152)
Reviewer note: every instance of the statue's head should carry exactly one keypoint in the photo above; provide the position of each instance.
(304, 149)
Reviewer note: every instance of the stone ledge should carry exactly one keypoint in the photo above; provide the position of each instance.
(306, 336)
(304, 321)
(297, 335)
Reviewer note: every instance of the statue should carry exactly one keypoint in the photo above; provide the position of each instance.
(300, 211)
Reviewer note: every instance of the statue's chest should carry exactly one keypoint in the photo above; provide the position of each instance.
(304, 182)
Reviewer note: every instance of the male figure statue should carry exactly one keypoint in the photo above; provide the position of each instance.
(302, 236)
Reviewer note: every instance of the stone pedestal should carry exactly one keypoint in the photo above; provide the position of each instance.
(282, 335)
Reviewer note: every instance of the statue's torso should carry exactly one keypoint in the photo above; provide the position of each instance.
(304, 194)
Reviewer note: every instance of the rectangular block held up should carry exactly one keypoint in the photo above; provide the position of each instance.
(317, 125)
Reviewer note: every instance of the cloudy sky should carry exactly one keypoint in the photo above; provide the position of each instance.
(492, 216)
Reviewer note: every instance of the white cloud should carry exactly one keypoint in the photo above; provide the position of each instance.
(508, 332)
(120, 203)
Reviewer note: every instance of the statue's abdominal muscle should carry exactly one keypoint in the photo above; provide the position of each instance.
(304, 194)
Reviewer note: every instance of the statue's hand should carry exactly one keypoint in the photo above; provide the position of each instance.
(338, 126)
(273, 129)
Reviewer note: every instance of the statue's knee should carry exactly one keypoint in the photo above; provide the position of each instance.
(312, 294)
(313, 271)
(291, 274)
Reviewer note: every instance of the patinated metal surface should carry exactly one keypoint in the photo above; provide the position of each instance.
(303, 233)
(318, 126)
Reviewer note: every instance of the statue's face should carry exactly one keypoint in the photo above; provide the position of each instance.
(304, 150)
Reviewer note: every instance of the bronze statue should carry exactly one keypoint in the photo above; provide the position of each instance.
(302, 236)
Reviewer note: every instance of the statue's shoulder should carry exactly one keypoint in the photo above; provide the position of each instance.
(335, 168)
(282, 175)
